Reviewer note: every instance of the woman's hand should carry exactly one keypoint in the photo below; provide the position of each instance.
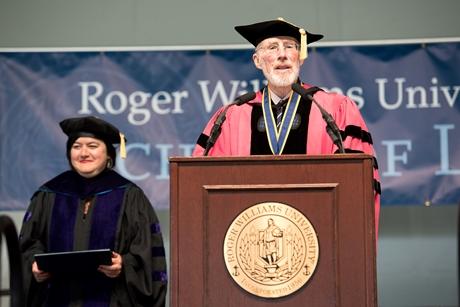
(40, 276)
(114, 269)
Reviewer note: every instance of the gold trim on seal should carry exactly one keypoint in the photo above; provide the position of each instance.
(271, 250)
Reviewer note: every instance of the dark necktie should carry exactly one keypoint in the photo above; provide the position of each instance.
(279, 110)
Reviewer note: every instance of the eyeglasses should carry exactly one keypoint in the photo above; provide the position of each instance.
(274, 48)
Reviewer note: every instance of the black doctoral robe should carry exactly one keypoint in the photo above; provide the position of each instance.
(120, 217)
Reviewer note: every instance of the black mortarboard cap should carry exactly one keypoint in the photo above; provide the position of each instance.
(95, 127)
(257, 32)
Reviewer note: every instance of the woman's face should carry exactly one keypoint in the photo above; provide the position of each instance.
(88, 156)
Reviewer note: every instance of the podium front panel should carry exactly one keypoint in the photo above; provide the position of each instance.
(316, 202)
(335, 194)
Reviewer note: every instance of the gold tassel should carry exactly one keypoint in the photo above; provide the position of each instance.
(303, 40)
(303, 44)
(122, 146)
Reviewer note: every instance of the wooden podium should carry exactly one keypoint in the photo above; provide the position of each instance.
(334, 192)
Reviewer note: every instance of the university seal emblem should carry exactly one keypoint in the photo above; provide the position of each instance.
(271, 250)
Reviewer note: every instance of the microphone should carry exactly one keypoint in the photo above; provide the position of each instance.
(216, 128)
(331, 127)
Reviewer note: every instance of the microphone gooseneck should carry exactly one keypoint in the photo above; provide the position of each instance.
(217, 127)
(244, 98)
(331, 126)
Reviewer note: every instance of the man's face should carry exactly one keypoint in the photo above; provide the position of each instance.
(278, 58)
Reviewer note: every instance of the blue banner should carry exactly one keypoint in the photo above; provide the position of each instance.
(407, 93)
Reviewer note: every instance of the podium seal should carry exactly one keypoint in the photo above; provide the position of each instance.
(271, 250)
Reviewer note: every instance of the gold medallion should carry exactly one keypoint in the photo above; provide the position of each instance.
(271, 250)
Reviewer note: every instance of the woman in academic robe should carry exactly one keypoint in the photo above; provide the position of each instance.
(92, 207)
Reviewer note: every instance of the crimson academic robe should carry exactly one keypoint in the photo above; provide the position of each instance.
(120, 218)
(243, 132)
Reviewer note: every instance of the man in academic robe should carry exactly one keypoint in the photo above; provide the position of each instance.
(278, 120)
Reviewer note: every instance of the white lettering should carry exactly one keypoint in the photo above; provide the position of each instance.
(186, 149)
(356, 94)
(165, 151)
(434, 94)
(381, 93)
(136, 115)
(444, 150)
(178, 96)
(392, 157)
(418, 97)
(160, 99)
(164, 154)
(117, 102)
(445, 93)
(219, 92)
(450, 99)
(121, 165)
(411, 95)
(87, 98)
(123, 101)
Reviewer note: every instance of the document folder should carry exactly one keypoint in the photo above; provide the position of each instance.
(73, 261)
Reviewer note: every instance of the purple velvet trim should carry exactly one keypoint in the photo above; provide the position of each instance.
(105, 219)
(160, 276)
(27, 216)
(73, 184)
(61, 233)
(158, 251)
(70, 189)
(155, 228)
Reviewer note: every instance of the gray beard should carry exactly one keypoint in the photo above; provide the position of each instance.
(279, 81)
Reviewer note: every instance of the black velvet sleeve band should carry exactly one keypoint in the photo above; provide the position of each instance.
(202, 140)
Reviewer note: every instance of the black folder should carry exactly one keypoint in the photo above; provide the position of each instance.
(74, 261)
